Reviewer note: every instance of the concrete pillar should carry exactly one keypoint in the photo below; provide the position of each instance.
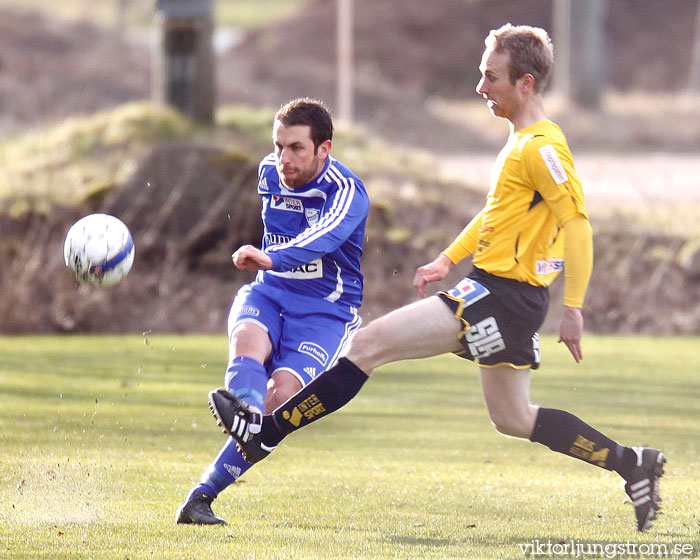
(579, 41)
(344, 32)
(183, 72)
(694, 74)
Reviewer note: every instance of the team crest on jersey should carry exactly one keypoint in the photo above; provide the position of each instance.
(312, 215)
(468, 291)
(286, 203)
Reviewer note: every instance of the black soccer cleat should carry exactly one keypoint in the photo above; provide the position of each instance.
(242, 421)
(197, 511)
(643, 485)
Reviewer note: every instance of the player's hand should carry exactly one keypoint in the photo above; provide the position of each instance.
(431, 272)
(248, 257)
(571, 330)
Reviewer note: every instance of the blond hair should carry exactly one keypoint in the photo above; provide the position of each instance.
(531, 51)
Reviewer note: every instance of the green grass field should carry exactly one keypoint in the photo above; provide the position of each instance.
(103, 436)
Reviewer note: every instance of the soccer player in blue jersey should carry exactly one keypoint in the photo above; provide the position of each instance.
(294, 320)
(534, 226)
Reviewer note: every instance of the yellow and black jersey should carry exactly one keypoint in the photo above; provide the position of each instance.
(534, 192)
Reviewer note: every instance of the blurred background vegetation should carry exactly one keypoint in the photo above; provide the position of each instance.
(247, 14)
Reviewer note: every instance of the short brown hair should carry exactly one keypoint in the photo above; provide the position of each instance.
(530, 48)
(310, 112)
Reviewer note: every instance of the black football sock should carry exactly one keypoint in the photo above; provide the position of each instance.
(563, 432)
(327, 393)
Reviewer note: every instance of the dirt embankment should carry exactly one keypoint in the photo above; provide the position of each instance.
(190, 206)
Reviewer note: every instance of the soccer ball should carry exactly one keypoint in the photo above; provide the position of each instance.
(99, 250)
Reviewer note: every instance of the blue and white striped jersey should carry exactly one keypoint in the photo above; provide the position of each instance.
(314, 233)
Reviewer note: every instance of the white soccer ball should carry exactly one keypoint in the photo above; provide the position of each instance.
(99, 250)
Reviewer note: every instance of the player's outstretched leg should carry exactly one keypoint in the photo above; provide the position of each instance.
(242, 421)
(196, 510)
(258, 435)
(643, 485)
(640, 467)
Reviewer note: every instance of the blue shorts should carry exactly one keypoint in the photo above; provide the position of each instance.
(308, 334)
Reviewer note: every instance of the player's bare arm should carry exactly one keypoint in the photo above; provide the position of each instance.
(248, 257)
(432, 272)
(571, 330)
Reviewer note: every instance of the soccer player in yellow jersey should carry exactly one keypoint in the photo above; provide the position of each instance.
(534, 225)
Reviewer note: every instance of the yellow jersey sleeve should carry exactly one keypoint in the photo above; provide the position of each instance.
(465, 243)
(578, 259)
(550, 169)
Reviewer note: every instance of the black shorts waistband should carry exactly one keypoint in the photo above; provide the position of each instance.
(480, 274)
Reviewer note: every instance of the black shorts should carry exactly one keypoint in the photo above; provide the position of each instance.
(501, 317)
